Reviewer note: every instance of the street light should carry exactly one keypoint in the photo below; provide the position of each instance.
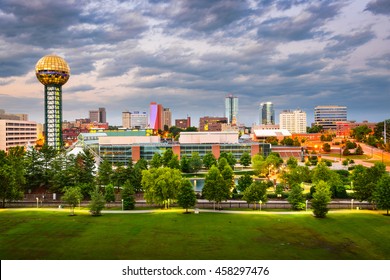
(306, 203)
(351, 203)
(260, 204)
(122, 204)
(37, 202)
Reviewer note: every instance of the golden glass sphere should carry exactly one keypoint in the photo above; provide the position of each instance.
(52, 69)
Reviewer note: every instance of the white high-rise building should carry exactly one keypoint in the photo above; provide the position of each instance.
(294, 121)
(136, 119)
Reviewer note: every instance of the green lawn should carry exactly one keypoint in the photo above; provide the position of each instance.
(51, 234)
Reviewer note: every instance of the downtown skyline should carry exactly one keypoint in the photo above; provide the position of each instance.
(189, 55)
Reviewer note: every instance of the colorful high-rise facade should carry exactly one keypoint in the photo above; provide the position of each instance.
(53, 72)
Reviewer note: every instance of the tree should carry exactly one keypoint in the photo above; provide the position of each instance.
(244, 182)
(359, 150)
(105, 173)
(128, 196)
(97, 202)
(382, 193)
(185, 164)
(259, 165)
(245, 159)
(256, 192)
(215, 188)
(156, 161)
(195, 162)
(365, 180)
(174, 163)
(314, 129)
(209, 160)
(296, 198)
(109, 193)
(292, 162)
(229, 157)
(12, 177)
(161, 185)
(287, 141)
(298, 175)
(73, 197)
(34, 169)
(136, 176)
(228, 177)
(321, 199)
(222, 162)
(273, 162)
(166, 157)
(186, 197)
(360, 132)
(326, 147)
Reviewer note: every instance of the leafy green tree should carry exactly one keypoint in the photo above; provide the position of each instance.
(186, 197)
(272, 140)
(292, 162)
(72, 196)
(360, 133)
(166, 157)
(109, 193)
(128, 196)
(195, 162)
(174, 163)
(215, 189)
(136, 176)
(359, 150)
(365, 180)
(296, 198)
(185, 164)
(12, 173)
(296, 142)
(97, 202)
(105, 173)
(228, 176)
(245, 159)
(314, 129)
(259, 165)
(273, 162)
(298, 175)
(382, 193)
(255, 192)
(48, 154)
(244, 182)
(161, 185)
(222, 162)
(326, 147)
(34, 169)
(229, 157)
(287, 141)
(156, 161)
(321, 199)
(209, 160)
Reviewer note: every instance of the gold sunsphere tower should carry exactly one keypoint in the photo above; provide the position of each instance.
(53, 72)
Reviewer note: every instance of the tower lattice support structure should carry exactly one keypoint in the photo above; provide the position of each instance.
(53, 116)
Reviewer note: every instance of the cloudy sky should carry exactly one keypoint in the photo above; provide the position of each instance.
(188, 55)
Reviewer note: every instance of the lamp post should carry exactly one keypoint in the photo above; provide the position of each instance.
(37, 201)
(306, 203)
(260, 204)
(351, 203)
(122, 204)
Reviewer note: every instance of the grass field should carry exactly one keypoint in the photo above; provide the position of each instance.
(51, 234)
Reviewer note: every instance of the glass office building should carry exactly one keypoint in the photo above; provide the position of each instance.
(328, 116)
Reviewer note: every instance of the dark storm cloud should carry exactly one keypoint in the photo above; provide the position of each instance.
(347, 43)
(51, 24)
(305, 26)
(204, 16)
(379, 7)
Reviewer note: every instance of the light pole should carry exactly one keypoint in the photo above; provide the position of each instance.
(122, 204)
(37, 201)
(260, 204)
(306, 203)
(351, 203)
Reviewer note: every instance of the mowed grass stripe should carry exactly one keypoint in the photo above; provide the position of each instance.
(28, 234)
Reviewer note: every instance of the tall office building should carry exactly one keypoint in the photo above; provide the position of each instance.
(267, 113)
(17, 133)
(102, 115)
(231, 109)
(53, 72)
(167, 118)
(156, 116)
(328, 116)
(134, 120)
(98, 116)
(294, 121)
